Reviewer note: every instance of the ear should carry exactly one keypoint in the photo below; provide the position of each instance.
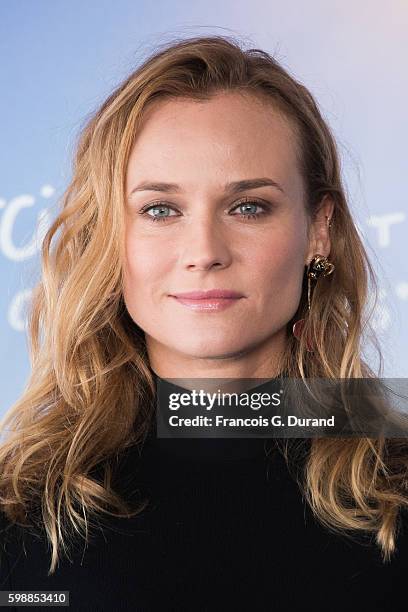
(319, 237)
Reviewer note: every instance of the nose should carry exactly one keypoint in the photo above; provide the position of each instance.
(204, 245)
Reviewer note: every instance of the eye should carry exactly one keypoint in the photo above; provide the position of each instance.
(247, 210)
(160, 212)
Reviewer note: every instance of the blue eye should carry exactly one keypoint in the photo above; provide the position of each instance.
(247, 207)
(162, 208)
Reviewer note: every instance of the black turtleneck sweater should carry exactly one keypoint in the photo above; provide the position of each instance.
(226, 528)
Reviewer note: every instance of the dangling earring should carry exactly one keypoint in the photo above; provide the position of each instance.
(319, 266)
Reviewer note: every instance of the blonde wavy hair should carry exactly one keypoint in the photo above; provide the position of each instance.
(91, 390)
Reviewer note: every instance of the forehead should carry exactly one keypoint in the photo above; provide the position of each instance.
(230, 135)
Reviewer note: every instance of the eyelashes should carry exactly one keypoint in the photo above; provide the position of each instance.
(244, 204)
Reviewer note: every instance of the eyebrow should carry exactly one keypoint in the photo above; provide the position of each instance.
(233, 187)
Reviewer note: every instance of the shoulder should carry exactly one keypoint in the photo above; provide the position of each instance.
(17, 543)
(8, 533)
(401, 538)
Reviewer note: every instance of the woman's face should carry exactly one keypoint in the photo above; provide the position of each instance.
(192, 235)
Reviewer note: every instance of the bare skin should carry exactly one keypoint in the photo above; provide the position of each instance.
(203, 241)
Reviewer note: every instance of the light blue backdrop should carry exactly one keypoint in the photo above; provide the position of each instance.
(60, 59)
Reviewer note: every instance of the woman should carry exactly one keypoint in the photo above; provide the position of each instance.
(209, 169)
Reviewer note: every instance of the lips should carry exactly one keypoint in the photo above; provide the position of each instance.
(213, 300)
(211, 294)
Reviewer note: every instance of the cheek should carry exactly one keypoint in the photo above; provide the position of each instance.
(137, 268)
(277, 266)
(139, 262)
(146, 268)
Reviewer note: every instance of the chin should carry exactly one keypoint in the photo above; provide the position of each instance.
(208, 350)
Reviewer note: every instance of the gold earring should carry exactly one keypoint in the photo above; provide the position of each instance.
(318, 267)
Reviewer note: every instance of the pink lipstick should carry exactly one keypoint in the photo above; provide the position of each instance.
(213, 300)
